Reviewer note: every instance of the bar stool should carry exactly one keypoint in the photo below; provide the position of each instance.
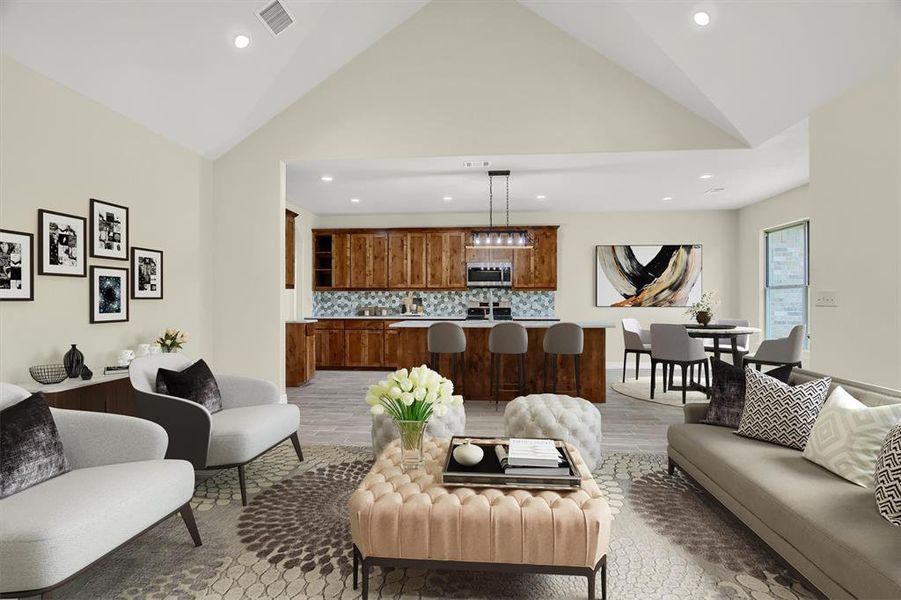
(448, 338)
(507, 338)
(565, 339)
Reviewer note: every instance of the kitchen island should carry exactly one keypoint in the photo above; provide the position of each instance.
(412, 350)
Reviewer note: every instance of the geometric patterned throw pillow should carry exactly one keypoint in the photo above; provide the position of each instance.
(848, 435)
(888, 477)
(779, 413)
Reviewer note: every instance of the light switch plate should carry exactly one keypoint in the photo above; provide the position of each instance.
(826, 298)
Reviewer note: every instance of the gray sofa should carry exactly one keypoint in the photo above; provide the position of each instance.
(825, 527)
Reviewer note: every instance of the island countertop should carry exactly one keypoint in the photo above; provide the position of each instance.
(481, 324)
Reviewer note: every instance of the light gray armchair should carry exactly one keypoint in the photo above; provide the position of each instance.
(781, 351)
(636, 341)
(254, 419)
(672, 346)
(118, 487)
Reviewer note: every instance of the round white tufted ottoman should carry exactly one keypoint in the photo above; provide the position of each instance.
(384, 431)
(572, 420)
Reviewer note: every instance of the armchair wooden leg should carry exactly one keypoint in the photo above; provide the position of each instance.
(187, 516)
(243, 485)
(296, 441)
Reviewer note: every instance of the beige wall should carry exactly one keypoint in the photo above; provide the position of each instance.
(456, 78)
(579, 233)
(59, 149)
(855, 189)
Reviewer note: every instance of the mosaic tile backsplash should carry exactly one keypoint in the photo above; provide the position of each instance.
(437, 304)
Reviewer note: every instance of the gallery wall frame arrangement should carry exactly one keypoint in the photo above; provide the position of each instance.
(109, 230)
(16, 265)
(109, 294)
(648, 275)
(146, 274)
(62, 244)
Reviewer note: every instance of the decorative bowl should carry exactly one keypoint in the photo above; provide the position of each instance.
(48, 374)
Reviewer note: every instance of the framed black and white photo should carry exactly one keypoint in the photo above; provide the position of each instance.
(109, 230)
(16, 265)
(146, 274)
(109, 294)
(62, 244)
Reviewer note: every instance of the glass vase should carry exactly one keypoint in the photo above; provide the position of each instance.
(411, 434)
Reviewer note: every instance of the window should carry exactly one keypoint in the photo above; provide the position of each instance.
(787, 254)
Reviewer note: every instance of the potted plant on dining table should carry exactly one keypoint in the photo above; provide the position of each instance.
(702, 310)
(411, 397)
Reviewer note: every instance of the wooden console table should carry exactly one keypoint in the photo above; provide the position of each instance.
(101, 393)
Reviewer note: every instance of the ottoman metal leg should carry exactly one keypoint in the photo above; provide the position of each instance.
(356, 567)
(366, 566)
(604, 580)
(591, 585)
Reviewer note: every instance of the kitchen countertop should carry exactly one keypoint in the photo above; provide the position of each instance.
(387, 318)
(527, 323)
(302, 321)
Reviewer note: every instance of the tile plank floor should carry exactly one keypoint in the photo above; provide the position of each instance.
(332, 412)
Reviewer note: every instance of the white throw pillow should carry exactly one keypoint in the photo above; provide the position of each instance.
(848, 434)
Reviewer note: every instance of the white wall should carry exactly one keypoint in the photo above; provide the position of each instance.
(577, 237)
(855, 189)
(456, 78)
(59, 149)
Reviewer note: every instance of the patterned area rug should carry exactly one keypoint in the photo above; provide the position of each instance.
(640, 389)
(669, 540)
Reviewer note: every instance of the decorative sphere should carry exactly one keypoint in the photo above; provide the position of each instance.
(468, 454)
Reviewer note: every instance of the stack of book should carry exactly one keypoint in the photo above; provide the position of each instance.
(528, 456)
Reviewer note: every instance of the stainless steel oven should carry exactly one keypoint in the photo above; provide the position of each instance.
(489, 274)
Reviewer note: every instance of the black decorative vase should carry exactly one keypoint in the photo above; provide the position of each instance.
(86, 373)
(73, 361)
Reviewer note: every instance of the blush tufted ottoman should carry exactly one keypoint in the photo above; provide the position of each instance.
(400, 519)
(572, 420)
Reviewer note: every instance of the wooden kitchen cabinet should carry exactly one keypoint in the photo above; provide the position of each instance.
(329, 348)
(369, 260)
(290, 217)
(364, 347)
(446, 253)
(392, 336)
(300, 353)
(535, 268)
(407, 260)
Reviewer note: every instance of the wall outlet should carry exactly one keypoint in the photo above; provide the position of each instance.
(826, 298)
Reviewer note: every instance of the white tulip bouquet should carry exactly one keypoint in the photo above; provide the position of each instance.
(413, 395)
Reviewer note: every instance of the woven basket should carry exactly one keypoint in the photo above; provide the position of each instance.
(48, 374)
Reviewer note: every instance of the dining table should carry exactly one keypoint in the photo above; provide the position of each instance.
(719, 333)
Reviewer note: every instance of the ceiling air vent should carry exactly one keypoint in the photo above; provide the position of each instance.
(477, 164)
(276, 17)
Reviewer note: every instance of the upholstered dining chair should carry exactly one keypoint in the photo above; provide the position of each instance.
(254, 419)
(671, 346)
(781, 351)
(636, 341)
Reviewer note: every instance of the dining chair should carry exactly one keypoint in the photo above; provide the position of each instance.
(636, 341)
(671, 346)
(781, 351)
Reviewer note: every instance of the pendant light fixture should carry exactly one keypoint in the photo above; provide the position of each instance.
(500, 237)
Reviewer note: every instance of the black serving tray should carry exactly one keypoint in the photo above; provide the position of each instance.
(488, 472)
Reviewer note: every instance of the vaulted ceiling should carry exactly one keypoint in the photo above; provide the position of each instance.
(757, 69)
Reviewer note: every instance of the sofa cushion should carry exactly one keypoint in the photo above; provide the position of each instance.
(195, 383)
(238, 435)
(833, 523)
(847, 436)
(52, 530)
(727, 392)
(888, 477)
(779, 413)
(30, 446)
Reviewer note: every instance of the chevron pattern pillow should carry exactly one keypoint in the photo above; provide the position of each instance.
(779, 413)
(888, 477)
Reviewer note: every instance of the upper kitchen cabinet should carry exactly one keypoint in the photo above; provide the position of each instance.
(369, 260)
(407, 260)
(446, 260)
(535, 268)
(331, 260)
(290, 216)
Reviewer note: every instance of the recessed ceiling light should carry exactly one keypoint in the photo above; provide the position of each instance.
(354, 199)
(667, 198)
(448, 198)
(242, 41)
(705, 176)
(540, 197)
(702, 18)
(327, 178)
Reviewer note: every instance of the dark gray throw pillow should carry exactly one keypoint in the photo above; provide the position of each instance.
(30, 447)
(196, 383)
(727, 392)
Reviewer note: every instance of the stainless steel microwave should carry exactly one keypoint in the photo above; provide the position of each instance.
(489, 274)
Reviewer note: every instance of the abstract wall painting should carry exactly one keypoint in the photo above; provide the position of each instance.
(146, 274)
(62, 244)
(109, 230)
(109, 294)
(648, 275)
(16, 265)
